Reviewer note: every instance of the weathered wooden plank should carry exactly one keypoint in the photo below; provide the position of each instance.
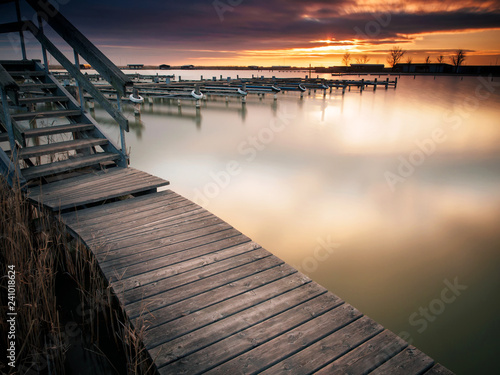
(180, 219)
(219, 337)
(44, 114)
(220, 251)
(326, 350)
(367, 356)
(111, 193)
(168, 297)
(439, 370)
(42, 99)
(232, 315)
(281, 277)
(288, 343)
(91, 214)
(113, 261)
(53, 148)
(100, 186)
(104, 214)
(67, 165)
(247, 255)
(176, 233)
(175, 253)
(137, 223)
(409, 361)
(58, 129)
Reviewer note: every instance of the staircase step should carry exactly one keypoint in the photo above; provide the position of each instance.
(50, 130)
(53, 148)
(37, 86)
(4, 137)
(46, 114)
(27, 73)
(43, 99)
(67, 165)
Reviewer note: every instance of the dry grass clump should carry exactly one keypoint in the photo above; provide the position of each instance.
(67, 316)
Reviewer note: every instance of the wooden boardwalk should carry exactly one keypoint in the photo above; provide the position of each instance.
(212, 300)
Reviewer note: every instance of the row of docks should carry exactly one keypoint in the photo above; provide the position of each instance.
(199, 90)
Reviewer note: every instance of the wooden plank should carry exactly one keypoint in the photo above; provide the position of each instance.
(183, 252)
(96, 184)
(288, 343)
(36, 86)
(42, 99)
(140, 240)
(110, 193)
(128, 219)
(46, 114)
(245, 255)
(179, 233)
(67, 165)
(367, 356)
(181, 216)
(115, 262)
(53, 148)
(326, 350)
(58, 129)
(73, 218)
(220, 336)
(223, 319)
(439, 370)
(409, 361)
(182, 262)
(168, 297)
(280, 277)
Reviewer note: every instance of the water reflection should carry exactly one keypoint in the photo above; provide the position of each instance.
(323, 177)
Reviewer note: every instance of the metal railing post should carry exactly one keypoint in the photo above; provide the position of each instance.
(122, 132)
(80, 90)
(8, 123)
(21, 34)
(44, 50)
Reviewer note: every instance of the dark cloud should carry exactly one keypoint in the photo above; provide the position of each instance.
(269, 24)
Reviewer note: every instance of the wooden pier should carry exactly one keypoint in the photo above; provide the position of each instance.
(210, 299)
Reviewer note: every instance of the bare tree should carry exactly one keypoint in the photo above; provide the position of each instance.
(428, 60)
(409, 60)
(363, 59)
(395, 55)
(346, 59)
(458, 58)
(440, 59)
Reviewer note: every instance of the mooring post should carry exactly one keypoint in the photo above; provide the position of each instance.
(244, 97)
(197, 92)
(375, 84)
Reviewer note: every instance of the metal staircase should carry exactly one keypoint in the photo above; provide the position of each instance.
(44, 129)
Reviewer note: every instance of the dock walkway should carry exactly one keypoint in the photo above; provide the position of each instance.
(212, 300)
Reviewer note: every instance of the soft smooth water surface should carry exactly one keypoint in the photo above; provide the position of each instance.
(386, 198)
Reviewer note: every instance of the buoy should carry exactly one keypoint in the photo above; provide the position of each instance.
(139, 100)
(197, 96)
(241, 92)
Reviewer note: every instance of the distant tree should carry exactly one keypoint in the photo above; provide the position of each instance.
(409, 60)
(428, 60)
(346, 59)
(363, 59)
(440, 59)
(395, 55)
(458, 58)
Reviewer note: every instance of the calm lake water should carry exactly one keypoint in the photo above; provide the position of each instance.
(390, 199)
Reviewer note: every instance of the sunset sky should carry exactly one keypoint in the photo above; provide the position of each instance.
(279, 32)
